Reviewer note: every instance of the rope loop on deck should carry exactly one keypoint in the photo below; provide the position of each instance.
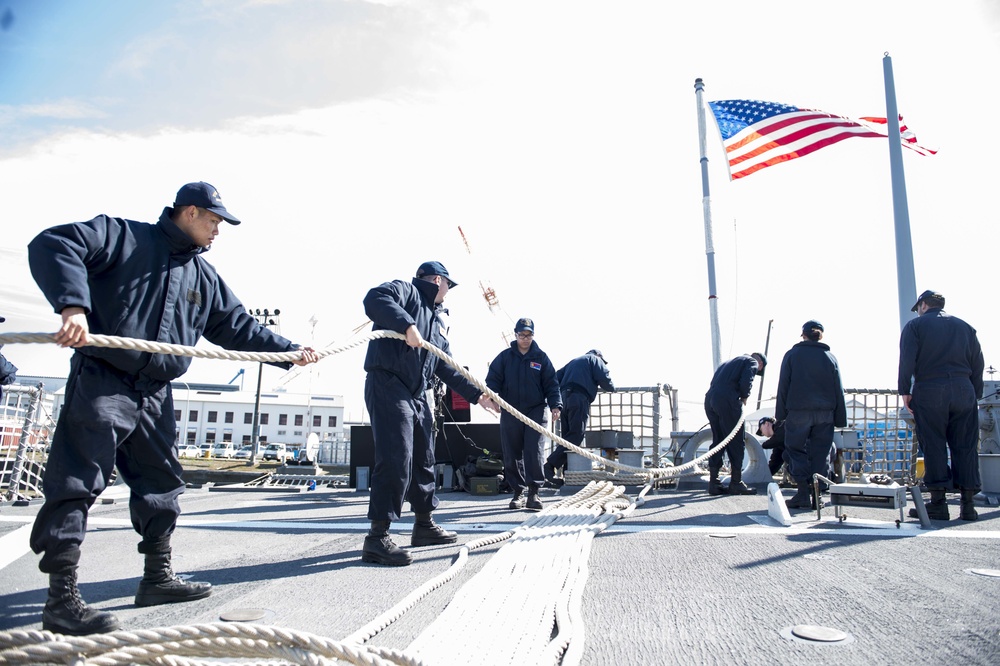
(173, 645)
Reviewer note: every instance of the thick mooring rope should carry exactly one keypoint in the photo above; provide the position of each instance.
(564, 531)
(638, 474)
(173, 645)
(530, 587)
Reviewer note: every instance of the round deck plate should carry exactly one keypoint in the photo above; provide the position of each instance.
(810, 633)
(243, 615)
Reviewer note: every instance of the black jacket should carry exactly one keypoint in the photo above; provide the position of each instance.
(936, 345)
(526, 380)
(777, 440)
(395, 306)
(586, 374)
(810, 380)
(146, 281)
(734, 378)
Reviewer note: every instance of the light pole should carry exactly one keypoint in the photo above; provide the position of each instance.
(265, 319)
(187, 413)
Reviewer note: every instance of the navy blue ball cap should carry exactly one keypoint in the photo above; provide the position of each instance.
(598, 354)
(524, 324)
(435, 268)
(761, 422)
(763, 359)
(810, 325)
(3, 319)
(930, 293)
(205, 196)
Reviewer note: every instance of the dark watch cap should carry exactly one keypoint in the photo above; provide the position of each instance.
(435, 268)
(524, 324)
(205, 196)
(3, 319)
(930, 293)
(810, 325)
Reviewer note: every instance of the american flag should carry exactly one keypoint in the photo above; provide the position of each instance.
(760, 134)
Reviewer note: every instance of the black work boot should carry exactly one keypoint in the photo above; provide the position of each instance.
(803, 497)
(968, 510)
(159, 584)
(937, 508)
(379, 548)
(714, 487)
(550, 476)
(517, 502)
(533, 504)
(736, 485)
(428, 533)
(66, 613)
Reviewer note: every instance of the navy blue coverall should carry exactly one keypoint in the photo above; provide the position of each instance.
(399, 377)
(811, 403)
(941, 367)
(724, 402)
(526, 381)
(135, 280)
(578, 380)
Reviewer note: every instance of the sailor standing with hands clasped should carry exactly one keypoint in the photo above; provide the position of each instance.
(524, 376)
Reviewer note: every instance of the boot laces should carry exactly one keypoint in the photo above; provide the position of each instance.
(70, 596)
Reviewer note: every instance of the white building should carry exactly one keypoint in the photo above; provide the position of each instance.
(209, 413)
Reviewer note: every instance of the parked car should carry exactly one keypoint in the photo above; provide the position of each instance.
(223, 450)
(243, 453)
(206, 450)
(276, 451)
(189, 451)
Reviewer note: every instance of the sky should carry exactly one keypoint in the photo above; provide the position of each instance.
(355, 138)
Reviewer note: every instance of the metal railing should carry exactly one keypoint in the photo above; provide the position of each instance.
(885, 435)
(25, 428)
(638, 410)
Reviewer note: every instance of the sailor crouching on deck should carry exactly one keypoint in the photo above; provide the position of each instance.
(399, 376)
(579, 381)
(724, 401)
(112, 276)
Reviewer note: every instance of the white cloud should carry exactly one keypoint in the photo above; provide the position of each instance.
(564, 143)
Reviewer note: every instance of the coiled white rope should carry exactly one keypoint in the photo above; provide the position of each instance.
(173, 645)
(531, 586)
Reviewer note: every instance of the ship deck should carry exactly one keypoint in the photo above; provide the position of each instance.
(685, 578)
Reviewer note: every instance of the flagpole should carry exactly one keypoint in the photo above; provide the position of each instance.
(706, 204)
(906, 282)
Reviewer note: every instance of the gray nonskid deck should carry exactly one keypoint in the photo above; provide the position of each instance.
(686, 578)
